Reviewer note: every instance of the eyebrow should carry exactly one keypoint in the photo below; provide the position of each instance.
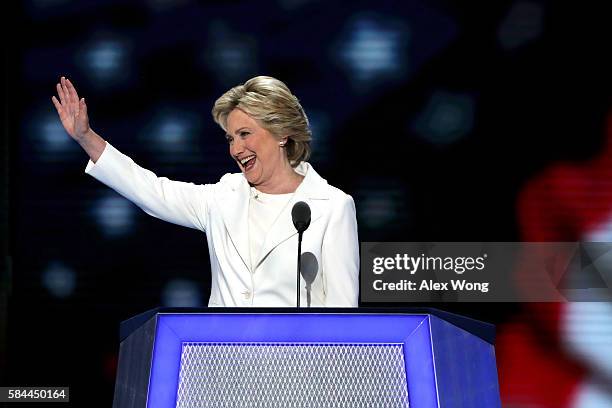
(227, 135)
(241, 129)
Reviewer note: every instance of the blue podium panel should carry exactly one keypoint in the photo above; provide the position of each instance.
(311, 360)
(466, 373)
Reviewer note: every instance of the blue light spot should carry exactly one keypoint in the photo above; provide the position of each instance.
(114, 215)
(524, 23)
(48, 139)
(232, 57)
(374, 49)
(59, 280)
(382, 205)
(172, 136)
(106, 61)
(181, 293)
(447, 117)
(377, 209)
(53, 135)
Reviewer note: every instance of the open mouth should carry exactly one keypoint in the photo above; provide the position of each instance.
(248, 162)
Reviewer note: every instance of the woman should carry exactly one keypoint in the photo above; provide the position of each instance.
(246, 216)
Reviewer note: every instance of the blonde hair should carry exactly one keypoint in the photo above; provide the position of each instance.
(271, 103)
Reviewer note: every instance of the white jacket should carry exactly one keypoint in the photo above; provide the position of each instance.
(220, 210)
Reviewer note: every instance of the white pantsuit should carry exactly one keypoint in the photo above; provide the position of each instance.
(221, 211)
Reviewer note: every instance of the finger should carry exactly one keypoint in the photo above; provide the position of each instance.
(57, 105)
(60, 93)
(74, 96)
(67, 101)
(63, 114)
(82, 107)
(72, 105)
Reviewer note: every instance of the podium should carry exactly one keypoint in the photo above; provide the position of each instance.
(417, 357)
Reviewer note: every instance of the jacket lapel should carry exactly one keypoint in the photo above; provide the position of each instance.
(235, 209)
(313, 191)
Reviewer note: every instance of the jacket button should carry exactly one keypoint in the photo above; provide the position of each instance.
(246, 294)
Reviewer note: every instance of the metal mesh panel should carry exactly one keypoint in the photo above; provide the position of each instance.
(292, 375)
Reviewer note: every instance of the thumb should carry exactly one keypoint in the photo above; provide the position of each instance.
(82, 106)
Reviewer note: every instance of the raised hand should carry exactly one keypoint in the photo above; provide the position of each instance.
(72, 110)
(73, 114)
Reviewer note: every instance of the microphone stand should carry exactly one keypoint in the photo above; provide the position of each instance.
(300, 215)
(299, 267)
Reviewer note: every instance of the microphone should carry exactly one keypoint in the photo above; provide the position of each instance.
(300, 214)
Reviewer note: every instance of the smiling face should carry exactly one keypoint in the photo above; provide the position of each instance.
(258, 153)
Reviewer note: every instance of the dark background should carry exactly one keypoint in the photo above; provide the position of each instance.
(433, 115)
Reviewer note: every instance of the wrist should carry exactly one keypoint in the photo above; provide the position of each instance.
(93, 144)
(85, 136)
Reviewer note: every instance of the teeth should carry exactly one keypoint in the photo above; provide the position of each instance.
(246, 159)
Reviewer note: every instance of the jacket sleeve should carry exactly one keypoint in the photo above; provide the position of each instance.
(177, 202)
(340, 256)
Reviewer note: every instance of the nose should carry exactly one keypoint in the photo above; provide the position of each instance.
(236, 147)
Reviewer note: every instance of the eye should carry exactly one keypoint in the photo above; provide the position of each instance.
(244, 134)
(229, 139)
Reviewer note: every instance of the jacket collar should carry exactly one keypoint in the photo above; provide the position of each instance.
(235, 208)
(313, 186)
